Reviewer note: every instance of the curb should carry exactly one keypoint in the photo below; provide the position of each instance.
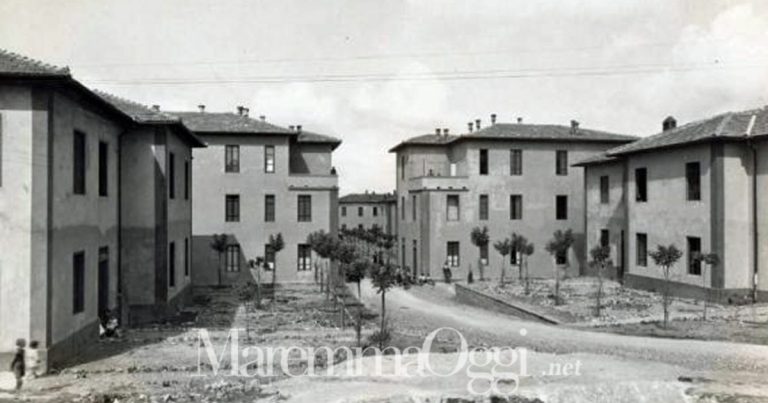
(472, 297)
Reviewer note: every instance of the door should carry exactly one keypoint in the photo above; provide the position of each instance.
(415, 261)
(622, 262)
(103, 295)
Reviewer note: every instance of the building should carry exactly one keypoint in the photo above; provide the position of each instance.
(506, 177)
(155, 211)
(254, 180)
(703, 187)
(364, 210)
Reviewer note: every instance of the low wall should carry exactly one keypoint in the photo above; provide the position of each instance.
(469, 296)
(684, 290)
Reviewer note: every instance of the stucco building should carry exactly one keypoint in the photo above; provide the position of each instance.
(703, 187)
(256, 179)
(364, 210)
(63, 177)
(507, 177)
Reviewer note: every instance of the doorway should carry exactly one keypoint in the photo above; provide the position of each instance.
(103, 296)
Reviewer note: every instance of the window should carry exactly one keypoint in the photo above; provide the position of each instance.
(343, 227)
(561, 258)
(484, 162)
(305, 208)
(269, 159)
(694, 249)
(516, 207)
(605, 237)
(693, 180)
(561, 163)
(403, 162)
(232, 258)
(484, 254)
(453, 254)
(516, 162)
(78, 282)
(642, 249)
(78, 163)
(232, 213)
(305, 258)
(172, 264)
(402, 208)
(561, 207)
(103, 168)
(186, 179)
(171, 176)
(641, 185)
(514, 257)
(452, 202)
(483, 210)
(359, 211)
(231, 158)
(413, 208)
(605, 189)
(375, 211)
(269, 256)
(343, 211)
(269, 208)
(186, 257)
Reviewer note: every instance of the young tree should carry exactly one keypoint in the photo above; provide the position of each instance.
(504, 247)
(383, 278)
(323, 244)
(219, 245)
(521, 245)
(601, 259)
(276, 244)
(480, 239)
(711, 260)
(666, 257)
(558, 247)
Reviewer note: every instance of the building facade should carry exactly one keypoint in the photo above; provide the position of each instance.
(701, 187)
(255, 180)
(506, 177)
(364, 210)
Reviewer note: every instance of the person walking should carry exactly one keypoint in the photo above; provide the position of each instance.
(18, 365)
(447, 272)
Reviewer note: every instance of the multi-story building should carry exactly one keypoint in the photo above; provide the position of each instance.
(64, 195)
(702, 187)
(254, 180)
(506, 177)
(364, 210)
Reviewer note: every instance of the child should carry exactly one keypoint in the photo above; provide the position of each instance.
(32, 360)
(17, 365)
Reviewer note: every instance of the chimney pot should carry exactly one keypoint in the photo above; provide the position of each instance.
(156, 108)
(437, 131)
(445, 132)
(519, 120)
(477, 124)
(201, 108)
(669, 123)
(493, 118)
(470, 125)
(240, 110)
(246, 111)
(291, 127)
(298, 128)
(574, 126)
(263, 118)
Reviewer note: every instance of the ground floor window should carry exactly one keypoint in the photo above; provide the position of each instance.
(484, 254)
(269, 257)
(453, 254)
(694, 250)
(642, 249)
(605, 237)
(78, 282)
(305, 257)
(514, 257)
(172, 264)
(232, 261)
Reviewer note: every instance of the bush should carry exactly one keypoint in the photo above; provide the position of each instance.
(380, 338)
(246, 291)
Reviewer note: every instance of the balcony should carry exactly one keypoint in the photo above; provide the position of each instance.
(312, 182)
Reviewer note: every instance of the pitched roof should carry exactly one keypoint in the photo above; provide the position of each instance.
(733, 125)
(13, 64)
(317, 138)
(520, 131)
(368, 198)
(144, 115)
(596, 159)
(227, 122)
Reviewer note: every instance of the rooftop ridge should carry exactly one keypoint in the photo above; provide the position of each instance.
(35, 62)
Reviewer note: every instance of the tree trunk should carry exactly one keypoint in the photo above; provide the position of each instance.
(503, 267)
(219, 269)
(383, 309)
(359, 297)
(557, 283)
(274, 280)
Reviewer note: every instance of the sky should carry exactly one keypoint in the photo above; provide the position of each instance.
(374, 73)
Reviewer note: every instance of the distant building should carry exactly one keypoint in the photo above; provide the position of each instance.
(703, 187)
(254, 180)
(364, 210)
(507, 177)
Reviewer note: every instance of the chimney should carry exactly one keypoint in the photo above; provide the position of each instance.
(669, 123)
(263, 118)
(437, 131)
(574, 127)
(469, 125)
(156, 108)
(298, 128)
(493, 118)
(519, 120)
(477, 124)
(240, 110)
(291, 128)
(201, 108)
(246, 111)
(445, 132)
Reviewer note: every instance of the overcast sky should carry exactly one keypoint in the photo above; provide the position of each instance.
(376, 72)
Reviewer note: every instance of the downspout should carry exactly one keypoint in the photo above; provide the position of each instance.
(121, 305)
(752, 147)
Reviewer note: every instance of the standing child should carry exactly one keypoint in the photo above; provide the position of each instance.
(17, 365)
(32, 360)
